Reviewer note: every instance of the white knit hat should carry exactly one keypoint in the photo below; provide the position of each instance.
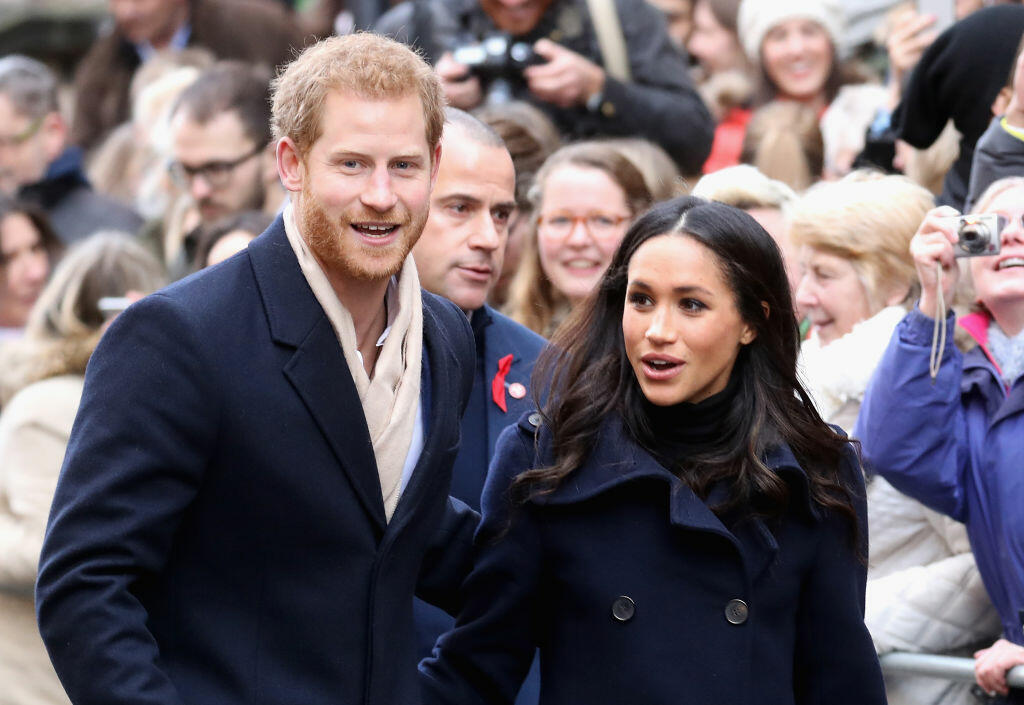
(757, 17)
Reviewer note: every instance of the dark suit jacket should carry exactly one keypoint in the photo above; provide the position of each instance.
(496, 336)
(218, 534)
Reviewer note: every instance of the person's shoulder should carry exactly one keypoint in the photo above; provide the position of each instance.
(90, 211)
(524, 337)
(45, 401)
(226, 27)
(447, 313)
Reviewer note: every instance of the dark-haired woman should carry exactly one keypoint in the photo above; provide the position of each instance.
(678, 525)
(28, 248)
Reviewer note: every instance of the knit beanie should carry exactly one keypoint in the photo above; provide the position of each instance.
(757, 17)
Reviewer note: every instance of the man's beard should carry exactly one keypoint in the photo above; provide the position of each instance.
(335, 243)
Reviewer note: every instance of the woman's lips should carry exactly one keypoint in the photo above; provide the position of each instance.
(660, 368)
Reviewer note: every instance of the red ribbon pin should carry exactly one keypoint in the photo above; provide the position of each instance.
(498, 383)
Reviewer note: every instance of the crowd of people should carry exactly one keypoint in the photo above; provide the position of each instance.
(280, 419)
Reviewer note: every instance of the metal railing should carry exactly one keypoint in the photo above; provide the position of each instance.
(953, 668)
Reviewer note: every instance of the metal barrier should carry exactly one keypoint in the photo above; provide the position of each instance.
(951, 668)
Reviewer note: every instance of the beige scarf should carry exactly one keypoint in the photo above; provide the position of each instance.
(391, 397)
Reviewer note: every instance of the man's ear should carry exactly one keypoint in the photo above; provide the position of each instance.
(1002, 101)
(435, 165)
(54, 132)
(290, 165)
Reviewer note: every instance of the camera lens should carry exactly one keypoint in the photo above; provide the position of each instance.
(975, 238)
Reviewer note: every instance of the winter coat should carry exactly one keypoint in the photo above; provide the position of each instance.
(997, 155)
(924, 590)
(76, 211)
(955, 445)
(218, 535)
(255, 32)
(637, 594)
(34, 430)
(659, 103)
(497, 337)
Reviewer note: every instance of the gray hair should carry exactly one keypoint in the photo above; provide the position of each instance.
(29, 85)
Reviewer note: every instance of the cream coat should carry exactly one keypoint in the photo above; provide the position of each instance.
(34, 430)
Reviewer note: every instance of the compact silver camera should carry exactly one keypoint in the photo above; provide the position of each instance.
(979, 234)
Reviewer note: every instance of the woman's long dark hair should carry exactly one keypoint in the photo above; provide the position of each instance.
(586, 376)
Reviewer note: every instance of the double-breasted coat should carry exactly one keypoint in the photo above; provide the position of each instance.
(635, 592)
(218, 534)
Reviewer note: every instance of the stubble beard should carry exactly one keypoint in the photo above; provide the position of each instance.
(335, 245)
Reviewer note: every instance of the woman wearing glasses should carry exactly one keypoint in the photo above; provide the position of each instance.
(677, 525)
(585, 196)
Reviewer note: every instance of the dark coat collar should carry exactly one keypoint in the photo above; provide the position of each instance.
(617, 459)
(63, 175)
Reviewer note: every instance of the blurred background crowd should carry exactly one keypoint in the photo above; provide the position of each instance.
(135, 149)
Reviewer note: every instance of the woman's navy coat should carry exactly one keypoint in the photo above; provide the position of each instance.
(636, 593)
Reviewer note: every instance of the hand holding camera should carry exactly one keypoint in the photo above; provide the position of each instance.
(565, 78)
(461, 87)
(489, 70)
(944, 236)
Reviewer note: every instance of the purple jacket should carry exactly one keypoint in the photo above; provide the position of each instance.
(956, 446)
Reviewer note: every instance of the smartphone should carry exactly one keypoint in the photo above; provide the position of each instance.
(944, 12)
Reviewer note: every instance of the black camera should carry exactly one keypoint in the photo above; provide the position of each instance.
(979, 234)
(498, 61)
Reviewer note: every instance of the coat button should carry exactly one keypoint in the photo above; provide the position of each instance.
(736, 612)
(623, 608)
(535, 418)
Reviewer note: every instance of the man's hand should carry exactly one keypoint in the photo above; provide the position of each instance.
(461, 88)
(991, 665)
(566, 79)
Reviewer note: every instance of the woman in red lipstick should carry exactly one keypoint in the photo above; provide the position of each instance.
(677, 525)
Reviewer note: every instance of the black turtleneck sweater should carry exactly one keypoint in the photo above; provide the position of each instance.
(676, 433)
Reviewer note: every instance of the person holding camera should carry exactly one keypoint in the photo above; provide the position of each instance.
(946, 427)
(618, 74)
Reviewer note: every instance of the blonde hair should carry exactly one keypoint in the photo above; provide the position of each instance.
(783, 140)
(744, 187)
(533, 301)
(66, 321)
(869, 220)
(367, 65)
(994, 189)
(659, 171)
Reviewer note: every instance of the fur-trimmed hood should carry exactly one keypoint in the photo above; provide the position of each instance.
(28, 360)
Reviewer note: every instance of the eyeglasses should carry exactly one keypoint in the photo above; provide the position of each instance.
(216, 174)
(597, 224)
(12, 141)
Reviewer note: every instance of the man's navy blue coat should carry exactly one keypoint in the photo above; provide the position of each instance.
(218, 534)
